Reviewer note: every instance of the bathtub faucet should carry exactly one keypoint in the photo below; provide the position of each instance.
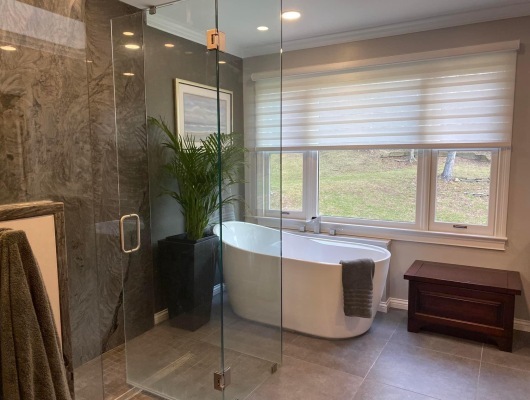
(315, 223)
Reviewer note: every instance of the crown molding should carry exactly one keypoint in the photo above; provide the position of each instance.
(166, 25)
(420, 25)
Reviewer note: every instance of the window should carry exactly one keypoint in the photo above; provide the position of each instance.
(434, 190)
(463, 195)
(420, 146)
(287, 168)
(371, 184)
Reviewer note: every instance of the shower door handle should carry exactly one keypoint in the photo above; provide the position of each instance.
(122, 234)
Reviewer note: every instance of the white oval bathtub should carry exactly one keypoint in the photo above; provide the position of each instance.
(310, 283)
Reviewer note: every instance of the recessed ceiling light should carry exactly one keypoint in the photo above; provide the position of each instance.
(8, 48)
(128, 74)
(263, 28)
(128, 33)
(291, 15)
(132, 46)
(222, 62)
(169, 45)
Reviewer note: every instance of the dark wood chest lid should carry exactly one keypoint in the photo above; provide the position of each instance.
(492, 280)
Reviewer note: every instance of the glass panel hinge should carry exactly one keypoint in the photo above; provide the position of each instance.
(215, 40)
(221, 379)
(274, 368)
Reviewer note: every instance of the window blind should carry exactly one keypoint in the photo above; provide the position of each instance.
(464, 101)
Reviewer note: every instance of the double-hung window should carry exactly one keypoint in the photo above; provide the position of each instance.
(417, 146)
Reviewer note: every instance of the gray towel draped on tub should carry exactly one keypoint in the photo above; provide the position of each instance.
(357, 286)
(31, 364)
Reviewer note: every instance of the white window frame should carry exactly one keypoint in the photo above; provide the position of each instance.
(461, 226)
(391, 224)
(424, 229)
(263, 159)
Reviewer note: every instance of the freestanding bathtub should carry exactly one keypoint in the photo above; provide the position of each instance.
(309, 289)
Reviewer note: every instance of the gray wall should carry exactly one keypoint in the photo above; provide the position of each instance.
(517, 255)
(187, 61)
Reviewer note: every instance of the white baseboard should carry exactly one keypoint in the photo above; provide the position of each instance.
(521, 325)
(384, 306)
(401, 304)
(163, 315)
(217, 289)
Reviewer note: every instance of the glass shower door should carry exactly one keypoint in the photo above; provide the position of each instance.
(183, 332)
(252, 269)
(163, 297)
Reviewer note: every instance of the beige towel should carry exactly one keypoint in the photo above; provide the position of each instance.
(31, 364)
(357, 286)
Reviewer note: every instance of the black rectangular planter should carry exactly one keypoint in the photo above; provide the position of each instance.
(187, 269)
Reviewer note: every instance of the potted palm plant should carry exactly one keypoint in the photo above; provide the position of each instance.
(203, 171)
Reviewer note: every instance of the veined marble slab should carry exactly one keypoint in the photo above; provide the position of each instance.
(41, 24)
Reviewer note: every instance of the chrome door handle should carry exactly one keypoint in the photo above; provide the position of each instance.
(122, 235)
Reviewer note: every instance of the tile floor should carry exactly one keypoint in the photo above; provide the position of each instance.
(387, 363)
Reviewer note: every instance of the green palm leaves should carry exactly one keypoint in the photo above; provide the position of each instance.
(200, 170)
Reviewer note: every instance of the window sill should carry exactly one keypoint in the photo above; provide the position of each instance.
(387, 233)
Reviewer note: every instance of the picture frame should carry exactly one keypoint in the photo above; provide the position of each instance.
(196, 109)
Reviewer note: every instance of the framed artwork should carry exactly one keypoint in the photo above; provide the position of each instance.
(196, 109)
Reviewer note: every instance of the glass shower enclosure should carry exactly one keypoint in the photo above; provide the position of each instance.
(183, 65)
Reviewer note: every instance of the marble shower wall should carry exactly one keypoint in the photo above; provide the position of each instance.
(68, 8)
(58, 142)
(45, 148)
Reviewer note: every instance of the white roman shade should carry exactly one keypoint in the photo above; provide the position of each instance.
(462, 101)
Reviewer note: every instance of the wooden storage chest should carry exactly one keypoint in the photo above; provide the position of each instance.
(462, 300)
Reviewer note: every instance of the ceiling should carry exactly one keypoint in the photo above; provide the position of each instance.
(322, 22)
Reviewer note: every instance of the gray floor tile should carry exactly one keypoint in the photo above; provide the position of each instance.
(502, 383)
(385, 324)
(354, 356)
(143, 396)
(251, 338)
(519, 358)
(411, 366)
(156, 370)
(191, 377)
(88, 380)
(289, 336)
(373, 390)
(196, 383)
(248, 373)
(434, 341)
(428, 372)
(297, 380)
(144, 362)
